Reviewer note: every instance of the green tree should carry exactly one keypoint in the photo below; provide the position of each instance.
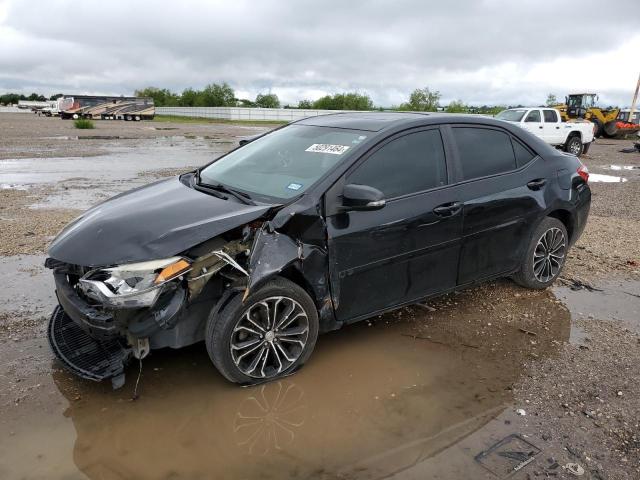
(422, 100)
(551, 100)
(56, 96)
(216, 95)
(307, 104)
(34, 97)
(189, 97)
(344, 101)
(162, 97)
(10, 98)
(245, 102)
(457, 106)
(267, 100)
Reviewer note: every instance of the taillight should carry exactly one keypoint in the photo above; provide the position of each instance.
(583, 171)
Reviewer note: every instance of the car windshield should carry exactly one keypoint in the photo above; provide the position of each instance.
(284, 163)
(511, 115)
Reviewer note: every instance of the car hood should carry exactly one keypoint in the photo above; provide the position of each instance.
(158, 220)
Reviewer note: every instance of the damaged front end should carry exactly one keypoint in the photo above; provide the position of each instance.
(107, 316)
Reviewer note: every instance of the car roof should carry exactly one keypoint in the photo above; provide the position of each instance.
(371, 121)
(385, 121)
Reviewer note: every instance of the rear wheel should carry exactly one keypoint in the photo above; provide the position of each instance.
(574, 145)
(269, 335)
(545, 256)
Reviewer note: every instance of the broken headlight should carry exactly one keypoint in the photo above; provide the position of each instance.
(132, 285)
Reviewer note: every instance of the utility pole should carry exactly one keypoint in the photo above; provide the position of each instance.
(633, 102)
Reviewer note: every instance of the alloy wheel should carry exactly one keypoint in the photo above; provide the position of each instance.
(549, 255)
(269, 337)
(574, 147)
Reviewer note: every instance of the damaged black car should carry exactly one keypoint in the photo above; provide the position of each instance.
(318, 224)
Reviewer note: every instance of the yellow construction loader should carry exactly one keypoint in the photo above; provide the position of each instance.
(605, 121)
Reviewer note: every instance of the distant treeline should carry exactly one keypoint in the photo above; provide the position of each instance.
(223, 95)
(13, 98)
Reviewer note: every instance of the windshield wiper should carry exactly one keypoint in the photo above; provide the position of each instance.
(243, 197)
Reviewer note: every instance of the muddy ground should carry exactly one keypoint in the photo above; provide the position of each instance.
(458, 388)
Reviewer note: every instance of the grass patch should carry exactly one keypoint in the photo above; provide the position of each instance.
(83, 124)
(175, 119)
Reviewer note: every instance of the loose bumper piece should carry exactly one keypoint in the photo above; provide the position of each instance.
(83, 355)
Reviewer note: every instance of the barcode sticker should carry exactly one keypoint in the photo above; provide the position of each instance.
(327, 148)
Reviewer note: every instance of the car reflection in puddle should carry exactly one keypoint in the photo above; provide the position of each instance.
(375, 399)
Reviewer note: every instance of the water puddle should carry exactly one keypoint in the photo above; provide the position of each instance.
(624, 167)
(419, 390)
(599, 177)
(614, 299)
(79, 182)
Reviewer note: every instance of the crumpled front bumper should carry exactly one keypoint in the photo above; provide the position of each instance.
(94, 343)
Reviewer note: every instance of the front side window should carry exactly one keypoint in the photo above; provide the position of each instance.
(550, 116)
(511, 115)
(284, 163)
(408, 164)
(483, 151)
(534, 116)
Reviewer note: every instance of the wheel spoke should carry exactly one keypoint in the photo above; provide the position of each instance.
(292, 332)
(248, 352)
(285, 317)
(247, 344)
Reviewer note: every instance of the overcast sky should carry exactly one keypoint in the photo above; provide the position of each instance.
(482, 52)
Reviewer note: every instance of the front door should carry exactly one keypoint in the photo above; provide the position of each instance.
(409, 248)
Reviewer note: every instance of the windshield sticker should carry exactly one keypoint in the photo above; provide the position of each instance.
(327, 148)
(294, 186)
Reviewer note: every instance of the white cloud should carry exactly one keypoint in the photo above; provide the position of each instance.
(495, 51)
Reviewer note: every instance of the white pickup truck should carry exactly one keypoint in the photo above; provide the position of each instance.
(546, 123)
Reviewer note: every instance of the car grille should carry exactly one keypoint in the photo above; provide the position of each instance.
(83, 355)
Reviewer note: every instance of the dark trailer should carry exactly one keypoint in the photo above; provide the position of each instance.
(107, 108)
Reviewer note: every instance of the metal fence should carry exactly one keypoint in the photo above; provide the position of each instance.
(243, 113)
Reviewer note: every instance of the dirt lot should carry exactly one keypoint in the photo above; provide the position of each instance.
(428, 391)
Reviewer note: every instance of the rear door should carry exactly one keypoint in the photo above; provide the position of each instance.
(410, 247)
(533, 123)
(551, 127)
(503, 195)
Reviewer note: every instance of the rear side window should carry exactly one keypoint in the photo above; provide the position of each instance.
(523, 154)
(550, 116)
(483, 151)
(534, 116)
(408, 164)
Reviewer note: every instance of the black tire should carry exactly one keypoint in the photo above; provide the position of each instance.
(529, 275)
(574, 145)
(221, 333)
(597, 127)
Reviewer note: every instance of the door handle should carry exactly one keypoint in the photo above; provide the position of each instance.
(537, 184)
(540, 126)
(557, 128)
(448, 209)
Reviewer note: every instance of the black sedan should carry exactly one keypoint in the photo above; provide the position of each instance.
(318, 224)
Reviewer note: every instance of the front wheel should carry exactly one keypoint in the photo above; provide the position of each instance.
(270, 334)
(545, 256)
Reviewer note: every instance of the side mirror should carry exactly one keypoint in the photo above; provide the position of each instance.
(361, 197)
